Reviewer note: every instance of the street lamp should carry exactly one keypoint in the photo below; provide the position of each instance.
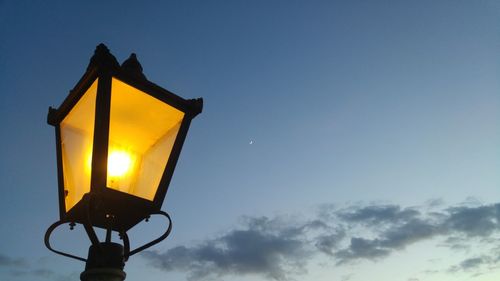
(118, 138)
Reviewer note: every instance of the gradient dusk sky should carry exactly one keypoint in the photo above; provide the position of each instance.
(340, 140)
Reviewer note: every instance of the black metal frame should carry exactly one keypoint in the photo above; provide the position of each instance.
(107, 209)
(104, 207)
(97, 244)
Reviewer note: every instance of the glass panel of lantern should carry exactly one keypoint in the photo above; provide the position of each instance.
(142, 131)
(77, 134)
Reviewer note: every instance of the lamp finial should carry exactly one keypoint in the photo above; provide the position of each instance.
(102, 57)
(133, 67)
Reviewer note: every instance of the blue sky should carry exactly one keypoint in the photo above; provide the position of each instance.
(340, 140)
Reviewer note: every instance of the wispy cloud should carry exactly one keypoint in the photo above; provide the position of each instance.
(6, 261)
(43, 273)
(21, 267)
(470, 264)
(477, 265)
(277, 248)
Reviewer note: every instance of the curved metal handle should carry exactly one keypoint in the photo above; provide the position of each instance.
(126, 241)
(156, 241)
(47, 242)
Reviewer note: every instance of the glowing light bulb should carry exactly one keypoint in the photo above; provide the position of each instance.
(119, 163)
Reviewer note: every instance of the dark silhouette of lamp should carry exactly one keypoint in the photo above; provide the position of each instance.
(118, 139)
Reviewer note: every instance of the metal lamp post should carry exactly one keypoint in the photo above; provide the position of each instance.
(118, 139)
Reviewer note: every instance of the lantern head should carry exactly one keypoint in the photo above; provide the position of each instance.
(118, 138)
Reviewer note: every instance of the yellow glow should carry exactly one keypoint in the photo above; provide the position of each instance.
(142, 132)
(77, 134)
(119, 163)
(88, 163)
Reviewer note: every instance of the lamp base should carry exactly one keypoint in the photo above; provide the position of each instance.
(104, 263)
(103, 274)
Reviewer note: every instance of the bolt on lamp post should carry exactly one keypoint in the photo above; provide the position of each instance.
(118, 138)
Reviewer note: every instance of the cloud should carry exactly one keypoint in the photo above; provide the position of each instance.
(44, 273)
(360, 248)
(474, 221)
(472, 264)
(6, 261)
(407, 233)
(19, 267)
(396, 237)
(374, 215)
(261, 248)
(277, 249)
(327, 243)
